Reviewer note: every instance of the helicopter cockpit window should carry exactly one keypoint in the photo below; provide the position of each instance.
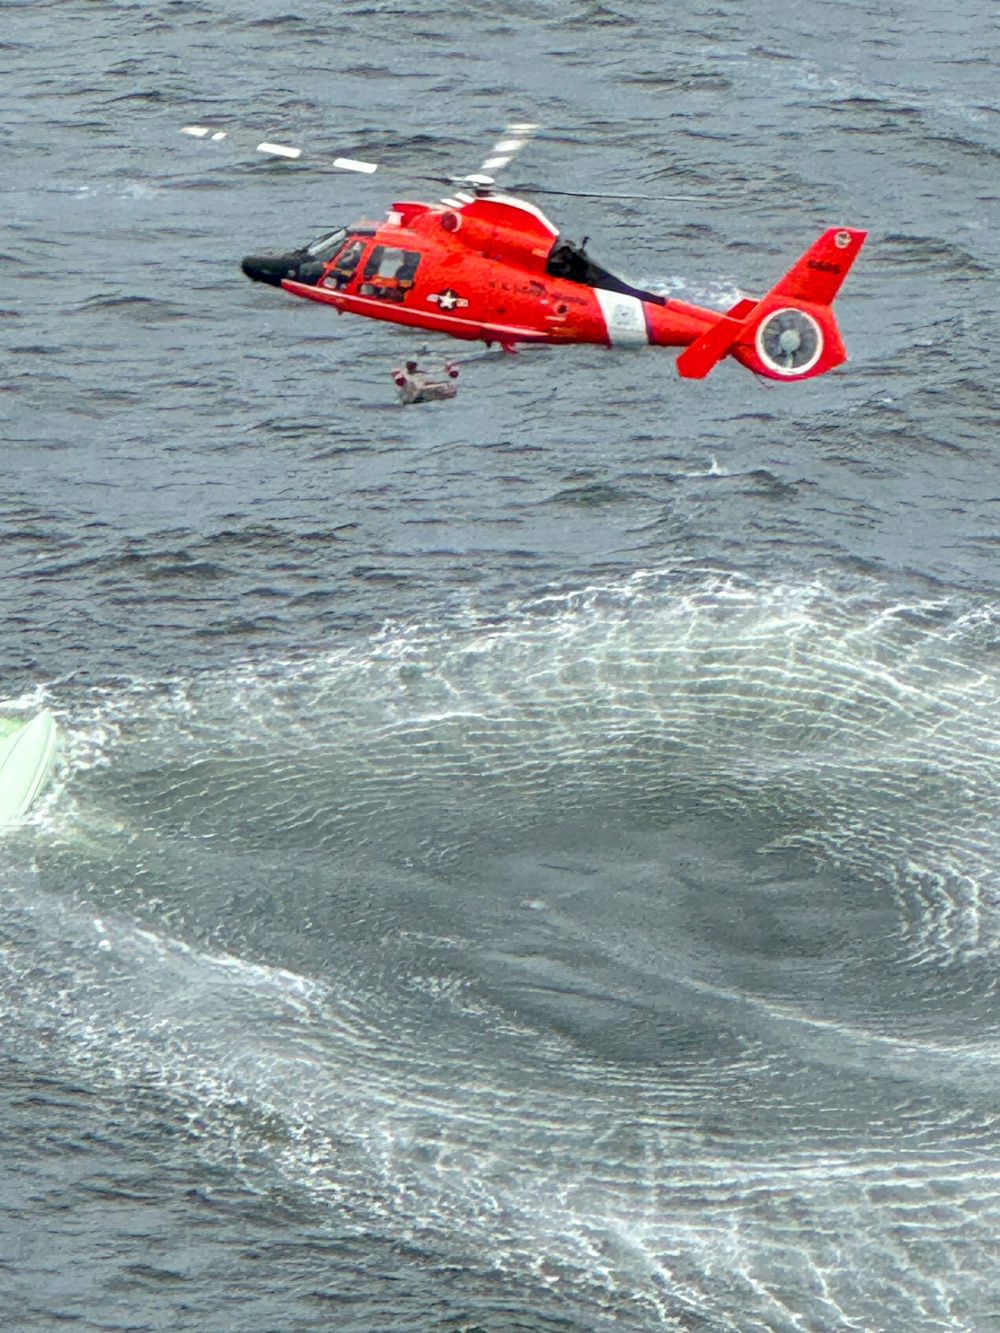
(325, 247)
(389, 273)
(343, 268)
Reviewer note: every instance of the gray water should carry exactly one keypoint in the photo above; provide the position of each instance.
(523, 863)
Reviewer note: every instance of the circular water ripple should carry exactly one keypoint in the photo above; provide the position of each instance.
(748, 1193)
(856, 733)
(592, 940)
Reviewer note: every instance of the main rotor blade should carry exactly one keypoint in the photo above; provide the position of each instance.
(291, 153)
(269, 149)
(600, 194)
(515, 136)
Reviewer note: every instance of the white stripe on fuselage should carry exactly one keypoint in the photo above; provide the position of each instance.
(624, 318)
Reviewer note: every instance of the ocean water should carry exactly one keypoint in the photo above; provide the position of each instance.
(527, 864)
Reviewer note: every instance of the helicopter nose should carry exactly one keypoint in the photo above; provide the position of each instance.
(274, 269)
(271, 268)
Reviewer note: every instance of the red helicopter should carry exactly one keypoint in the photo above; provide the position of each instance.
(487, 266)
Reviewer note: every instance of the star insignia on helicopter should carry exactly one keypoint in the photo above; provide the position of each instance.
(448, 299)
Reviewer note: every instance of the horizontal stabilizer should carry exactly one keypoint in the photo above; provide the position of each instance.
(696, 361)
(714, 343)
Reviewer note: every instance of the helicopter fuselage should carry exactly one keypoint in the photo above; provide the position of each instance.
(492, 268)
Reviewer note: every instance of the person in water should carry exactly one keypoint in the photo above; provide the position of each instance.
(419, 386)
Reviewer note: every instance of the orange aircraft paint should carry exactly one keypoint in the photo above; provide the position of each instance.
(493, 268)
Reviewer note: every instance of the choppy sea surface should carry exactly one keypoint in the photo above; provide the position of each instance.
(522, 864)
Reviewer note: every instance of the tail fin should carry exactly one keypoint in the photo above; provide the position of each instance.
(791, 332)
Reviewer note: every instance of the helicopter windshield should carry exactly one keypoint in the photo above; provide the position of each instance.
(326, 246)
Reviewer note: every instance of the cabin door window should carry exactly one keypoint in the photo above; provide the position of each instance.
(389, 273)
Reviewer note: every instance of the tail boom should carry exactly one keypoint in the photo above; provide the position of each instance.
(791, 333)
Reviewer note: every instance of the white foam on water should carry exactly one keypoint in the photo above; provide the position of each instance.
(865, 730)
(715, 293)
(404, 1139)
(596, 1188)
(861, 733)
